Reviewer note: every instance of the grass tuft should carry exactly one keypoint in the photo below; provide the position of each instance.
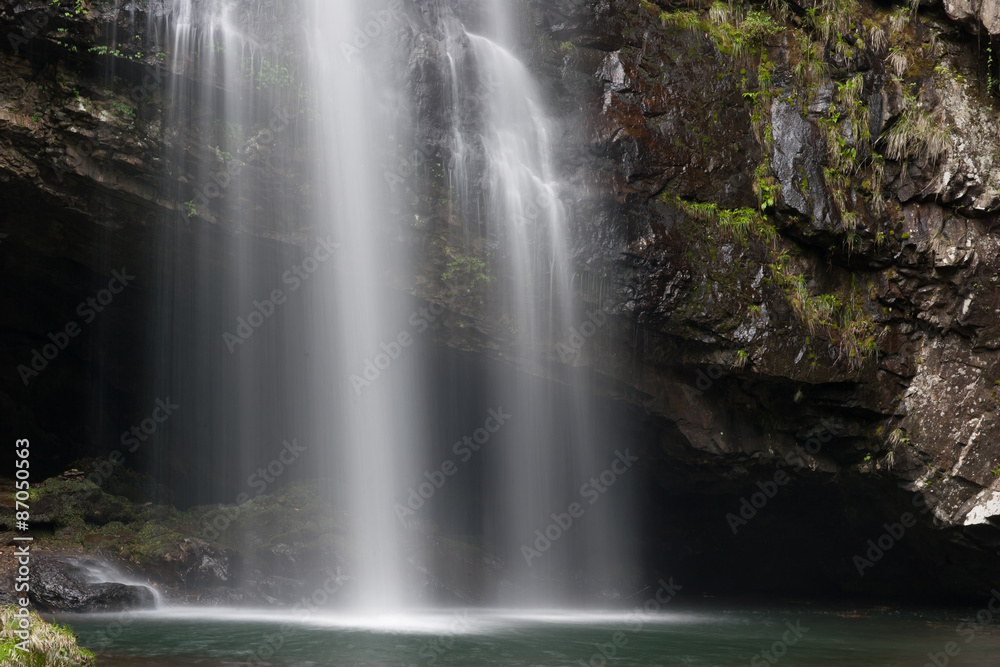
(48, 645)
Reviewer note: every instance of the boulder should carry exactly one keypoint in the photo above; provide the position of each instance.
(62, 585)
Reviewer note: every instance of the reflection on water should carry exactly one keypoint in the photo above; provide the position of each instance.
(793, 637)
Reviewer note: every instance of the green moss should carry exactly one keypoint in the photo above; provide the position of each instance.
(472, 270)
(151, 543)
(738, 223)
(735, 34)
(75, 502)
(124, 111)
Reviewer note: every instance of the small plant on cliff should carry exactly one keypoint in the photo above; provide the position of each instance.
(846, 324)
(123, 110)
(811, 67)
(766, 187)
(473, 269)
(897, 61)
(734, 33)
(876, 36)
(116, 53)
(77, 9)
(917, 133)
(739, 223)
(833, 18)
(896, 438)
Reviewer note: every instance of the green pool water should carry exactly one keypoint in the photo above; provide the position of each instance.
(791, 637)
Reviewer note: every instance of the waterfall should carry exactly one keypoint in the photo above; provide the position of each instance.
(101, 572)
(376, 431)
(332, 362)
(504, 142)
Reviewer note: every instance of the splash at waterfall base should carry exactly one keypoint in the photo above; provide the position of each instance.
(262, 550)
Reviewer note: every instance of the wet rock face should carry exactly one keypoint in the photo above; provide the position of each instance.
(61, 585)
(798, 164)
(973, 14)
(192, 564)
(661, 120)
(911, 245)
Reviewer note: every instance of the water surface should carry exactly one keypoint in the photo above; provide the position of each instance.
(792, 637)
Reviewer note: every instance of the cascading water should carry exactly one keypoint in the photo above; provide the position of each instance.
(376, 432)
(503, 169)
(336, 371)
(237, 386)
(101, 572)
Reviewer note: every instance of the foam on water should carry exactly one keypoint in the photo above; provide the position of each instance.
(435, 621)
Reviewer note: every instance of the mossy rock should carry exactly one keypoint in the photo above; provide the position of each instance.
(152, 545)
(72, 502)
